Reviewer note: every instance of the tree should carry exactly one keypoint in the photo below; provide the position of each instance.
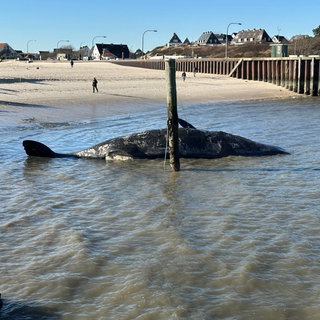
(316, 31)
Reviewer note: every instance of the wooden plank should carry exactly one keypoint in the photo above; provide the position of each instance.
(235, 67)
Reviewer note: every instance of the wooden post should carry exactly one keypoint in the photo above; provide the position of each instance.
(173, 124)
(312, 77)
(301, 64)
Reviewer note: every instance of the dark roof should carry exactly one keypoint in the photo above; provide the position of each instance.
(208, 38)
(280, 39)
(222, 37)
(6, 51)
(186, 41)
(118, 50)
(175, 39)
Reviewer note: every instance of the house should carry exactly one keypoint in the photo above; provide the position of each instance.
(103, 51)
(63, 53)
(222, 37)
(251, 36)
(174, 41)
(207, 39)
(279, 39)
(186, 42)
(47, 55)
(84, 53)
(6, 52)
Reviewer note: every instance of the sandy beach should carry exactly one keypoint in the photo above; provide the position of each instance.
(56, 91)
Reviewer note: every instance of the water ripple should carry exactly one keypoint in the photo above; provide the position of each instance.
(233, 238)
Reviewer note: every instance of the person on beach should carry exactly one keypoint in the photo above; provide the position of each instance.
(195, 70)
(184, 75)
(95, 85)
(71, 63)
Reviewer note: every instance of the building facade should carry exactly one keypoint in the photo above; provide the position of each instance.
(251, 36)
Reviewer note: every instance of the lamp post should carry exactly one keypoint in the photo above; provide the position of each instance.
(142, 42)
(28, 45)
(97, 37)
(61, 41)
(239, 23)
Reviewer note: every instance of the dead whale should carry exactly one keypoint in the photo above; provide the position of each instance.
(152, 144)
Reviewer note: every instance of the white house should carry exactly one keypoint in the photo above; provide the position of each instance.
(103, 51)
(251, 36)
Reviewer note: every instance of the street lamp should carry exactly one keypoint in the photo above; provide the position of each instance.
(28, 44)
(239, 23)
(95, 38)
(61, 41)
(142, 44)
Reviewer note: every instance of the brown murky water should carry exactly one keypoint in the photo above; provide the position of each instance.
(233, 238)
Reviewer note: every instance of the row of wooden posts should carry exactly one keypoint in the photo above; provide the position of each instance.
(301, 75)
(298, 74)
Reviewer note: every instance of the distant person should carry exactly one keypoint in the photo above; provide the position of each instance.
(195, 70)
(184, 75)
(71, 63)
(95, 85)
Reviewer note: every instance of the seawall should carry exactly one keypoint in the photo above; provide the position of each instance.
(298, 74)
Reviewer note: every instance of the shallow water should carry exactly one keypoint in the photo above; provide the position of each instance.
(232, 238)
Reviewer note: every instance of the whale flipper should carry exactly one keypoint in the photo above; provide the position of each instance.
(38, 149)
(185, 124)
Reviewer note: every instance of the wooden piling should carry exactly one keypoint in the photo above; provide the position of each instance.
(173, 135)
(307, 77)
(312, 77)
(301, 64)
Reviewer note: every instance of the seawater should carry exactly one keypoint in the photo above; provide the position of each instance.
(232, 238)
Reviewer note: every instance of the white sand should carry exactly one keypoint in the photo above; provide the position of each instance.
(55, 91)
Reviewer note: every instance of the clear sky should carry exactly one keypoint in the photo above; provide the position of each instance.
(124, 21)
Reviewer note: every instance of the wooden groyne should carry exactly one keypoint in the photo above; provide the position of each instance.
(298, 74)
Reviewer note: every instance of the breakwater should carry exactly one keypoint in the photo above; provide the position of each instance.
(298, 74)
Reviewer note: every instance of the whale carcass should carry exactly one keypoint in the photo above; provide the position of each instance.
(152, 144)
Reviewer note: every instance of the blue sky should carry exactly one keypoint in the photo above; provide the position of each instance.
(124, 21)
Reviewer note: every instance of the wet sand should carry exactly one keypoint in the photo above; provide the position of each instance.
(57, 91)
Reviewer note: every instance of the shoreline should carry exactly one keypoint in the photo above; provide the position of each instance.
(54, 91)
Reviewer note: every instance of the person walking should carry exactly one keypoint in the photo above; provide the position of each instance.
(95, 85)
(195, 70)
(184, 75)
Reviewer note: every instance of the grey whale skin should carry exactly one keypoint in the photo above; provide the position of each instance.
(151, 144)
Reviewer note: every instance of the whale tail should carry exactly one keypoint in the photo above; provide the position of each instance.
(38, 149)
